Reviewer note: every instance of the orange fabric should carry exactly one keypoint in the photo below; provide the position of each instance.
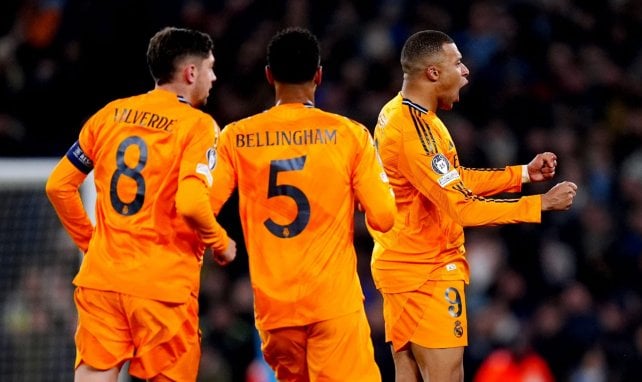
(190, 199)
(436, 198)
(501, 366)
(298, 171)
(323, 351)
(115, 327)
(434, 316)
(62, 190)
(152, 157)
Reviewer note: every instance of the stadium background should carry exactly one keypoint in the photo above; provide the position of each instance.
(562, 76)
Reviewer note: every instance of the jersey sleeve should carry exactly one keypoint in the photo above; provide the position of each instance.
(371, 186)
(224, 175)
(492, 181)
(64, 182)
(63, 192)
(434, 175)
(195, 180)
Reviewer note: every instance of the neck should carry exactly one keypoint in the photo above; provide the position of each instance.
(420, 94)
(177, 89)
(294, 93)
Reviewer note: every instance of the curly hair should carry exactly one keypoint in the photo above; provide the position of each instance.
(293, 55)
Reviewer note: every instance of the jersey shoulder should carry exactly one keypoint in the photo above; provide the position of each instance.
(404, 113)
(348, 124)
(249, 120)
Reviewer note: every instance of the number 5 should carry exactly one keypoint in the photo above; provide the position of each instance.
(302, 218)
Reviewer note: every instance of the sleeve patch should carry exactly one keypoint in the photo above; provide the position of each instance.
(78, 158)
(211, 158)
(206, 169)
(448, 178)
(203, 170)
(440, 164)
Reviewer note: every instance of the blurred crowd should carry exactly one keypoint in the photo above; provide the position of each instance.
(546, 75)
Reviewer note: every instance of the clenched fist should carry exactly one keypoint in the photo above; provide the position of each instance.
(560, 197)
(542, 167)
(227, 256)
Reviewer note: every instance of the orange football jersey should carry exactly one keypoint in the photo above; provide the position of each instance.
(152, 155)
(435, 198)
(299, 171)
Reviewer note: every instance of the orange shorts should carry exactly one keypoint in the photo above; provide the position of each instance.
(339, 349)
(434, 316)
(156, 337)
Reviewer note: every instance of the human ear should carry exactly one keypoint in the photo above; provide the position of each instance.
(318, 76)
(432, 73)
(190, 73)
(268, 75)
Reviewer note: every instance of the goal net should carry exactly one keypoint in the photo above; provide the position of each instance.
(38, 260)
(37, 263)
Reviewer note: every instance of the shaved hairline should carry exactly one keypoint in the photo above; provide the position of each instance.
(422, 49)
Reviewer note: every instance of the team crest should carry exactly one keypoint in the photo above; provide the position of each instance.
(458, 330)
(440, 164)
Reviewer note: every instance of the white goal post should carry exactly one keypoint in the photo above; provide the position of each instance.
(35, 171)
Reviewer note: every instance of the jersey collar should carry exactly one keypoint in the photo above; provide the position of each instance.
(408, 102)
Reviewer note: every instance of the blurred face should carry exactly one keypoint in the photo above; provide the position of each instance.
(205, 77)
(453, 75)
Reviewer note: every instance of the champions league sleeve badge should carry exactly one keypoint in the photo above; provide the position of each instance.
(441, 166)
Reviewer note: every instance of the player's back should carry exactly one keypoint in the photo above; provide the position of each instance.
(295, 166)
(137, 145)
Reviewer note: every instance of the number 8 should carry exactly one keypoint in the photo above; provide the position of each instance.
(135, 205)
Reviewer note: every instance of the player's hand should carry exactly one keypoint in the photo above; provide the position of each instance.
(560, 197)
(542, 167)
(227, 256)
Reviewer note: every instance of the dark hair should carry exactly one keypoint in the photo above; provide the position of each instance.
(293, 55)
(420, 46)
(169, 45)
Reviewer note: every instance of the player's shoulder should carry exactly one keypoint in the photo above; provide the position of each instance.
(240, 123)
(407, 108)
(133, 102)
(201, 115)
(391, 110)
(118, 103)
(108, 110)
(401, 113)
(248, 122)
(343, 122)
